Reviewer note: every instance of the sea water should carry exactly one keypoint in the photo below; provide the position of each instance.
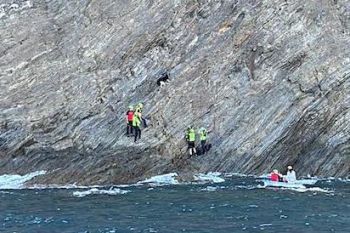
(214, 203)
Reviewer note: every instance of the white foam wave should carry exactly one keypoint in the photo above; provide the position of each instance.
(96, 191)
(166, 179)
(231, 174)
(345, 180)
(209, 177)
(75, 186)
(17, 181)
(213, 188)
(313, 189)
(6, 192)
(248, 187)
(127, 185)
(210, 189)
(67, 186)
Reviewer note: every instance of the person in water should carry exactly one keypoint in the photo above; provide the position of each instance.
(276, 176)
(129, 118)
(291, 176)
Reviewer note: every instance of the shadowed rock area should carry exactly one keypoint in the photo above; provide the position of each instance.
(269, 79)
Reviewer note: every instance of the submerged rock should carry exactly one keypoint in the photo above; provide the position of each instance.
(269, 79)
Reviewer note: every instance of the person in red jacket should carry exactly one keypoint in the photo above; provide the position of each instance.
(129, 117)
(275, 176)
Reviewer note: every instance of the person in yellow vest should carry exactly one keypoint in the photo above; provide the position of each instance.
(136, 123)
(138, 111)
(191, 140)
(203, 138)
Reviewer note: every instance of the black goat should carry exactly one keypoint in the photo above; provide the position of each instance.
(163, 79)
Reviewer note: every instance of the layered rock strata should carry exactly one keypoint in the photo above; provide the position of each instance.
(269, 79)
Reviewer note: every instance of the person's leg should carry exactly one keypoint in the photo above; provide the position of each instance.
(207, 147)
(189, 148)
(193, 148)
(136, 132)
(203, 146)
(127, 130)
(131, 127)
(139, 132)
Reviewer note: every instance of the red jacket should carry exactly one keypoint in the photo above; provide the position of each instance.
(130, 115)
(274, 177)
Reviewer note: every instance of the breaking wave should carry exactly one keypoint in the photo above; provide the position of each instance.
(17, 181)
(313, 189)
(166, 179)
(171, 179)
(96, 191)
(213, 177)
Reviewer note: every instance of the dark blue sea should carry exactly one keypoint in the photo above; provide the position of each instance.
(239, 204)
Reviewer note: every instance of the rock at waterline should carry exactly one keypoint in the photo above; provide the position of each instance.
(270, 80)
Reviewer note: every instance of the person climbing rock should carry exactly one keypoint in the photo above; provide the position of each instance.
(187, 133)
(191, 139)
(203, 138)
(136, 122)
(138, 111)
(129, 118)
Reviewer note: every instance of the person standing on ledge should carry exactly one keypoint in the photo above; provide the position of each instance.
(138, 111)
(203, 138)
(136, 122)
(129, 118)
(191, 139)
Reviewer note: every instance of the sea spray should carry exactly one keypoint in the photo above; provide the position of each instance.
(17, 181)
(213, 177)
(95, 191)
(166, 179)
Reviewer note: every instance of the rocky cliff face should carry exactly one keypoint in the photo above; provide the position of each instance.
(269, 79)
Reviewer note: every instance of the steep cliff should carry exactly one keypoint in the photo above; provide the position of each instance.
(269, 79)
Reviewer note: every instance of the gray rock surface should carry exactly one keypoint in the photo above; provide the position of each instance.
(269, 79)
